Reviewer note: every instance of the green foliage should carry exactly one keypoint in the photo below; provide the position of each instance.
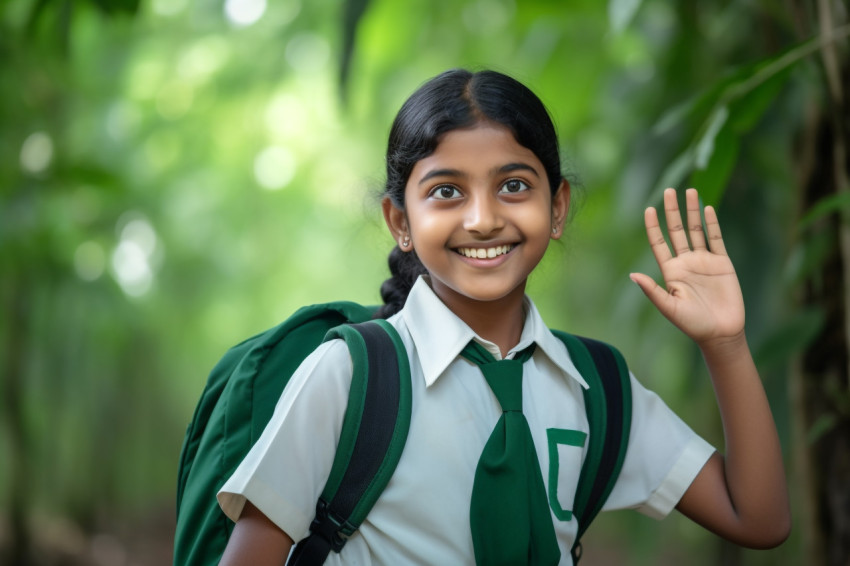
(178, 177)
(839, 202)
(717, 119)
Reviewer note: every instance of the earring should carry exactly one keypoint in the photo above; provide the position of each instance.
(554, 229)
(406, 241)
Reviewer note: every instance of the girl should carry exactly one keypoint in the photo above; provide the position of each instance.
(474, 194)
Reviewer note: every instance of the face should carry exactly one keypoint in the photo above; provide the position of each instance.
(480, 214)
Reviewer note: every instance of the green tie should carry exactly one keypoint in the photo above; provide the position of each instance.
(509, 516)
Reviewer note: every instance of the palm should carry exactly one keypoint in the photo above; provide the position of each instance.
(702, 296)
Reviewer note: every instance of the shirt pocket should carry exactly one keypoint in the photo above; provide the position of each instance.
(565, 452)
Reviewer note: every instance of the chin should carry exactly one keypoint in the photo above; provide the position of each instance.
(488, 295)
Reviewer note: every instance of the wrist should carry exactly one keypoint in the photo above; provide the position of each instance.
(724, 346)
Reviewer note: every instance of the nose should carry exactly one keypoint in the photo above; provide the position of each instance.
(483, 215)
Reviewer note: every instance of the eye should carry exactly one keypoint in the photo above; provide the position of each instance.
(514, 186)
(445, 192)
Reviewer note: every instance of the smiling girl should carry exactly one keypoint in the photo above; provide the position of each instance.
(474, 195)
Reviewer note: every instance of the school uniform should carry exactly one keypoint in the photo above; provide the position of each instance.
(422, 517)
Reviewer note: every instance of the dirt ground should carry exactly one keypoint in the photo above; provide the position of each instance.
(145, 540)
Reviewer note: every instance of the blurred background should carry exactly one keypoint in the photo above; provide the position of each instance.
(176, 175)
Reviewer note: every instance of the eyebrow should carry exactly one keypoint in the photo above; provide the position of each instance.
(508, 168)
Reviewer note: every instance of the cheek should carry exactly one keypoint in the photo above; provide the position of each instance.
(536, 220)
(425, 226)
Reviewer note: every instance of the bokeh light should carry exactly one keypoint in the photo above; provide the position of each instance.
(89, 261)
(135, 256)
(36, 153)
(274, 167)
(244, 12)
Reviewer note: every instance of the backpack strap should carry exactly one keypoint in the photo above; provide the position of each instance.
(374, 431)
(608, 403)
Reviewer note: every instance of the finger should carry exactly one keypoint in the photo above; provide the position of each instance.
(694, 220)
(675, 228)
(654, 292)
(712, 228)
(656, 237)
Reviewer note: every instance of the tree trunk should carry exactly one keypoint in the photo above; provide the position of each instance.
(823, 383)
(19, 551)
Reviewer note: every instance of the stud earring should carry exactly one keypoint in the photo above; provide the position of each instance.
(554, 229)
(406, 241)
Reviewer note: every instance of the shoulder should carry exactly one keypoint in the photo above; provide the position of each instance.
(332, 352)
(331, 359)
(316, 395)
(322, 379)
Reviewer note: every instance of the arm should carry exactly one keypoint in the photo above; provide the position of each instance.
(256, 541)
(742, 496)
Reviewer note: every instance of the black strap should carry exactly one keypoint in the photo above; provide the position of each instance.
(612, 384)
(380, 410)
(606, 365)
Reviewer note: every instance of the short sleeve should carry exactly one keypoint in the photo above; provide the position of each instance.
(663, 457)
(285, 472)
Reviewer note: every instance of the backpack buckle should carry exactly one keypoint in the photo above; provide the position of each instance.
(329, 526)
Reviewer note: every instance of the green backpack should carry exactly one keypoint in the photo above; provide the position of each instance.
(243, 389)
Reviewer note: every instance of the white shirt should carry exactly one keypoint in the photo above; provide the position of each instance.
(422, 517)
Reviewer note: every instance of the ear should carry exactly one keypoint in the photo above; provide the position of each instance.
(560, 207)
(396, 221)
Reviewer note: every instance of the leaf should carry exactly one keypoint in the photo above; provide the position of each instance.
(741, 99)
(677, 170)
(748, 110)
(694, 106)
(35, 15)
(705, 147)
(808, 256)
(767, 76)
(698, 156)
(820, 427)
(621, 13)
(824, 207)
(352, 14)
(714, 177)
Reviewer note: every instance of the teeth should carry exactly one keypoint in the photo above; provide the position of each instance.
(482, 253)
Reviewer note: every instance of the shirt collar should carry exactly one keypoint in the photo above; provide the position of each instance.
(439, 335)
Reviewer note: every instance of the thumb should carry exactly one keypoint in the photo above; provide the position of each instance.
(654, 292)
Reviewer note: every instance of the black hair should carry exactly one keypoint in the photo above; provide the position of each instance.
(458, 99)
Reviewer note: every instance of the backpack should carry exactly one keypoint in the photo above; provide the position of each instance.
(242, 391)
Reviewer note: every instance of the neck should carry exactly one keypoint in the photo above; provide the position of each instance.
(499, 321)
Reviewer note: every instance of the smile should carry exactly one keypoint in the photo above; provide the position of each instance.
(485, 253)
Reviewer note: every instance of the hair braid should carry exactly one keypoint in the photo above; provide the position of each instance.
(405, 268)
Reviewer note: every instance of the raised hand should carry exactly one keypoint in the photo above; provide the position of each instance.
(702, 296)
(742, 495)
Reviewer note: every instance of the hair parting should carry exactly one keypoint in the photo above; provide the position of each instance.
(457, 99)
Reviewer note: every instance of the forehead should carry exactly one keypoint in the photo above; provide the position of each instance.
(481, 147)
